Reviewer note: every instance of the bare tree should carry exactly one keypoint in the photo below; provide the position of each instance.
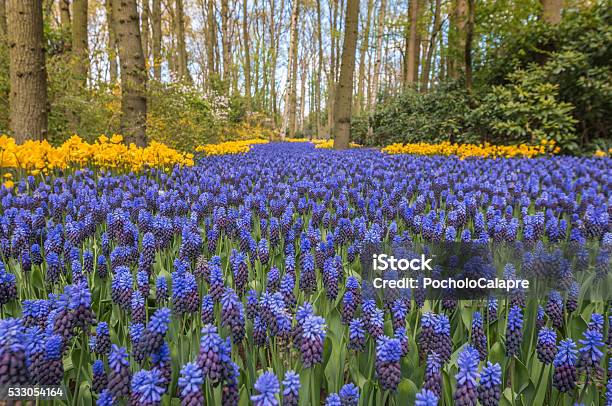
(2, 20)
(112, 42)
(247, 54)
(410, 67)
(145, 30)
(133, 74)
(363, 50)
(226, 40)
(469, 34)
(344, 94)
(156, 36)
(320, 57)
(27, 70)
(80, 48)
(182, 66)
(64, 6)
(292, 65)
(380, 32)
(211, 38)
(435, 29)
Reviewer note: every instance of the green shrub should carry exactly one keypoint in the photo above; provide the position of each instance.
(526, 110)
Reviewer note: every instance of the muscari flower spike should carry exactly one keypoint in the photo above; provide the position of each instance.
(479, 338)
(291, 389)
(119, 377)
(426, 398)
(349, 395)
(546, 346)
(267, 388)
(514, 331)
(489, 389)
(147, 388)
(564, 376)
(153, 336)
(466, 390)
(99, 376)
(388, 355)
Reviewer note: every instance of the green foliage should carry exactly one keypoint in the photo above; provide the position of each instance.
(541, 82)
(526, 110)
(413, 117)
(182, 116)
(575, 56)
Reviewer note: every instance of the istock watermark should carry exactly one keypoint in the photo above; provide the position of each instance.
(384, 262)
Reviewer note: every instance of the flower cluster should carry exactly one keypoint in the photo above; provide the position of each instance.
(475, 150)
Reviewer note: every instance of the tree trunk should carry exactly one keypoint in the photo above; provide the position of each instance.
(64, 6)
(319, 70)
(80, 49)
(468, 45)
(182, 66)
(247, 55)
(331, 79)
(292, 75)
(226, 40)
(437, 25)
(380, 31)
(112, 42)
(303, 77)
(457, 51)
(156, 35)
(273, 56)
(363, 50)
(27, 71)
(2, 20)
(211, 38)
(144, 24)
(551, 11)
(133, 75)
(344, 93)
(411, 45)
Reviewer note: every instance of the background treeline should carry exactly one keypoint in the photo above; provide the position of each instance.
(188, 72)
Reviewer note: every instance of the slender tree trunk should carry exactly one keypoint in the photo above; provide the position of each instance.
(274, 52)
(27, 71)
(457, 48)
(3, 32)
(319, 70)
(411, 45)
(80, 49)
(551, 11)
(226, 40)
(145, 30)
(468, 45)
(182, 65)
(112, 42)
(156, 34)
(247, 55)
(64, 6)
(303, 77)
(133, 75)
(437, 25)
(331, 80)
(293, 65)
(380, 32)
(344, 93)
(363, 50)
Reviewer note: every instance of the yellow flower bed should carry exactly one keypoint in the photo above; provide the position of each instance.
(474, 150)
(602, 154)
(328, 144)
(110, 153)
(229, 147)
